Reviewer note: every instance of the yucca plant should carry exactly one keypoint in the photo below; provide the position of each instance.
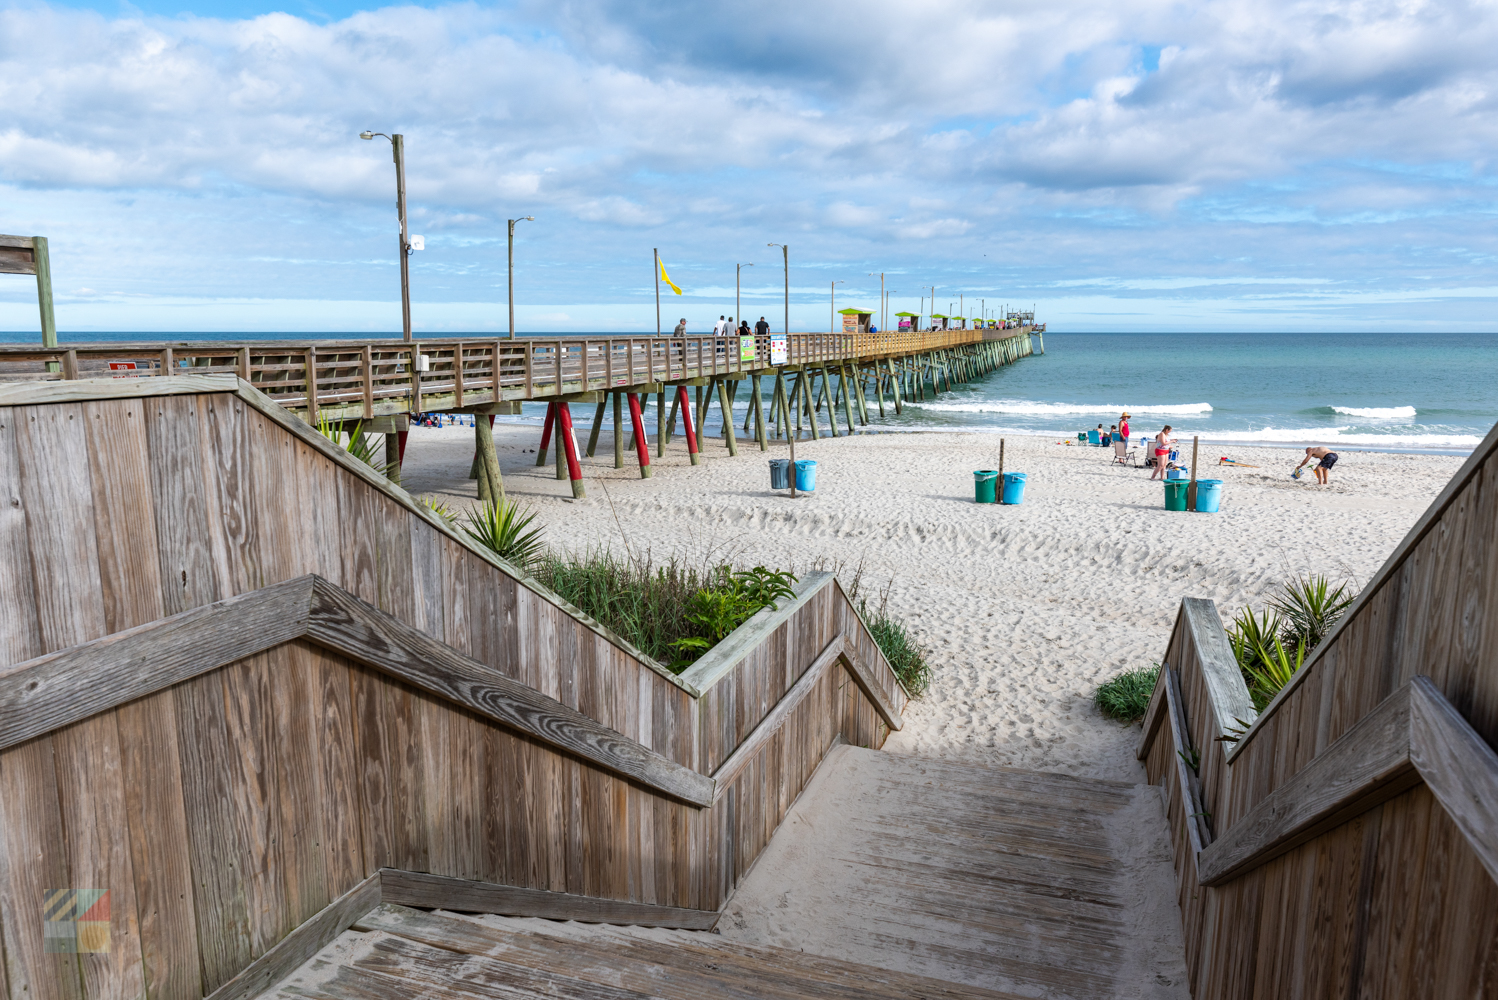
(1309, 608)
(358, 444)
(500, 526)
(1261, 655)
(1272, 671)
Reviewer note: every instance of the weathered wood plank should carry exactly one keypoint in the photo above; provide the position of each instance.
(301, 944)
(435, 892)
(1368, 765)
(1459, 766)
(51, 691)
(371, 637)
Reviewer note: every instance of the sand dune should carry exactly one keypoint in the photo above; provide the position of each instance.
(1026, 609)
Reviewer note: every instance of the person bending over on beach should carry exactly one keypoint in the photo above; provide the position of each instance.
(1163, 443)
(1328, 459)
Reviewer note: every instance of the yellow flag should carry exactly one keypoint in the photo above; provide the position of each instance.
(666, 279)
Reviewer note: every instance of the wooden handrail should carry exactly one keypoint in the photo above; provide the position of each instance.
(1414, 735)
(60, 688)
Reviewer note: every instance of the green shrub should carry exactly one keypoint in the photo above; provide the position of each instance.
(673, 613)
(906, 656)
(500, 526)
(362, 446)
(1127, 696)
(1272, 645)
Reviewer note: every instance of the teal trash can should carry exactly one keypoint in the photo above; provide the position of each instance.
(806, 474)
(985, 483)
(1175, 494)
(780, 473)
(1208, 495)
(1014, 487)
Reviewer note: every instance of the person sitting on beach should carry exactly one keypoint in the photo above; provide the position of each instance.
(1102, 436)
(1112, 434)
(1328, 459)
(1163, 443)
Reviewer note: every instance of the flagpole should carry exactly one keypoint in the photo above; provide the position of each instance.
(657, 254)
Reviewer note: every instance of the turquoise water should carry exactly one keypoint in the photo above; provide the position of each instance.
(1402, 392)
(1427, 392)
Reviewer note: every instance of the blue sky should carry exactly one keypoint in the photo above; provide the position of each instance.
(1134, 164)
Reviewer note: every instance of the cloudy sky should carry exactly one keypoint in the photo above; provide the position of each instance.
(1125, 164)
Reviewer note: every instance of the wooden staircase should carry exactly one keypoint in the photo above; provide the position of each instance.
(891, 877)
(397, 952)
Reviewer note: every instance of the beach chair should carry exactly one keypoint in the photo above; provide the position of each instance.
(1123, 454)
(1093, 439)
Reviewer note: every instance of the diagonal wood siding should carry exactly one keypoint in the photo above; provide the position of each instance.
(225, 811)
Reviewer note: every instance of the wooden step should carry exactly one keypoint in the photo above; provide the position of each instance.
(400, 952)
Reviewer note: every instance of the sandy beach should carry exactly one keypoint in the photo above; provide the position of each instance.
(1025, 609)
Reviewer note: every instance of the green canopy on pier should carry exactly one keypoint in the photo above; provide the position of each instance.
(906, 314)
(856, 312)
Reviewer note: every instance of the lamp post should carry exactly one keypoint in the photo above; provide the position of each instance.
(398, 150)
(883, 319)
(528, 218)
(785, 253)
(737, 270)
(832, 316)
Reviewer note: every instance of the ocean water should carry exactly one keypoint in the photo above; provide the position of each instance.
(1383, 391)
(1401, 392)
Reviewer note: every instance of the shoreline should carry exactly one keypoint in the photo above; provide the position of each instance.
(524, 421)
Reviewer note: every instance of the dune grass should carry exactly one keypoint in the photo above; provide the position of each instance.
(1127, 696)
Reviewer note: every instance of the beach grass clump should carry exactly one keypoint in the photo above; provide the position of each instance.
(1272, 645)
(503, 527)
(1127, 696)
(907, 658)
(672, 612)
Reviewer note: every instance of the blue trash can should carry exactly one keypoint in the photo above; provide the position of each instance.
(806, 474)
(1208, 495)
(1014, 487)
(780, 473)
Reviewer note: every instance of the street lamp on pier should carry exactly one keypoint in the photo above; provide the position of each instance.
(883, 319)
(511, 294)
(398, 151)
(832, 316)
(738, 310)
(785, 253)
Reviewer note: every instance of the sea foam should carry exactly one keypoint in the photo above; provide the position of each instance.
(1029, 408)
(1376, 412)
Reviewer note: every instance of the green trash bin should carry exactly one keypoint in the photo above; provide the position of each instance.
(984, 481)
(1175, 494)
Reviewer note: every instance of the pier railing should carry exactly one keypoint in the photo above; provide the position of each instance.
(364, 379)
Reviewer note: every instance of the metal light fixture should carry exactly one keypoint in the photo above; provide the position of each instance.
(398, 151)
(511, 293)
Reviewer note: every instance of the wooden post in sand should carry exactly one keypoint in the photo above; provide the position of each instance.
(758, 403)
(603, 401)
(489, 474)
(642, 446)
(1191, 487)
(551, 418)
(660, 422)
(568, 450)
(726, 405)
(618, 434)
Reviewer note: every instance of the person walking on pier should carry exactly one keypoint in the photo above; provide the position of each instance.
(1328, 458)
(1163, 443)
(743, 327)
(762, 329)
(720, 326)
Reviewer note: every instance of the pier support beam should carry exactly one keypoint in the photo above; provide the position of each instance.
(757, 403)
(569, 448)
(551, 418)
(642, 446)
(603, 402)
(618, 432)
(726, 406)
(686, 421)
